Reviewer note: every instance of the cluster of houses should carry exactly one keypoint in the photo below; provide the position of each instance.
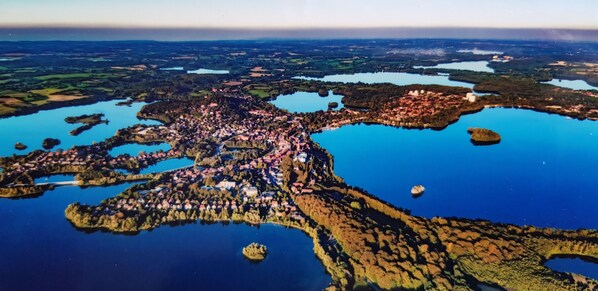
(192, 126)
(206, 121)
(416, 104)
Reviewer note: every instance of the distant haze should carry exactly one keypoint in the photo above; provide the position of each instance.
(190, 34)
(570, 14)
(243, 19)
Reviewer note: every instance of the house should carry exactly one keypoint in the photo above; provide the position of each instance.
(301, 157)
(250, 191)
(471, 97)
(226, 184)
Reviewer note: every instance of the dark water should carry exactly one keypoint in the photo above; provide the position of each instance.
(542, 173)
(306, 102)
(133, 149)
(40, 250)
(167, 165)
(34, 128)
(574, 265)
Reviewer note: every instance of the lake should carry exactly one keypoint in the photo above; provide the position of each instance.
(41, 250)
(133, 149)
(572, 84)
(573, 265)
(207, 71)
(198, 71)
(167, 165)
(55, 178)
(542, 173)
(401, 79)
(476, 51)
(306, 102)
(477, 66)
(32, 129)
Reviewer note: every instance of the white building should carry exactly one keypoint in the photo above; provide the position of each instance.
(301, 157)
(226, 184)
(251, 191)
(471, 97)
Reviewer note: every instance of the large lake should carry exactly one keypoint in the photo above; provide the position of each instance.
(32, 129)
(200, 71)
(542, 173)
(41, 250)
(306, 102)
(476, 51)
(477, 66)
(401, 79)
(572, 84)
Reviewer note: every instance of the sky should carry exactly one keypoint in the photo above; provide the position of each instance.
(301, 14)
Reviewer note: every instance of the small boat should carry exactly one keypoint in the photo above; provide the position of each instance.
(417, 190)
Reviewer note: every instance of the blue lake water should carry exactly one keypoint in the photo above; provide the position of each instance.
(167, 165)
(207, 71)
(198, 71)
(55, 178)
(542, 173)
(173, 69)
(34, 128)
(133, 149)
(306, 102)
(401, 79)
(574, 265)
(476, 51)
(41, 250)
(477, 66)
(572, 84)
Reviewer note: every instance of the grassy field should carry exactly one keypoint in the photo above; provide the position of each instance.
(26, 71)
(46, 91)
(6, 109)
(73, 76)
(8, 81)
(260, 93)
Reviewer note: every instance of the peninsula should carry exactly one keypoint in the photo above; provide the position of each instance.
(88, 121)
(255, 163)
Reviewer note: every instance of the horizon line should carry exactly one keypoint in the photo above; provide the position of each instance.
(157, 33)
(266, 28)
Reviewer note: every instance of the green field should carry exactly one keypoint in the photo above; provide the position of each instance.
(46, 91)
(73, 76)
(8, 81)
(6, 109)
(260, 93)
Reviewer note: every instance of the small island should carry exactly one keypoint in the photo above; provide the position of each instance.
(88, 121)
(323, 92)
(50, 143)
(417, 190)
(482, 136)
(332, 105)
(20, 146)
(255, 252)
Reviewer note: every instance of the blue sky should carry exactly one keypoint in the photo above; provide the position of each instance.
(284, 14)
